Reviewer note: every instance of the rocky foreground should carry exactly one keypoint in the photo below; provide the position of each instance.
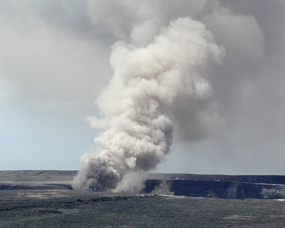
(45, 199)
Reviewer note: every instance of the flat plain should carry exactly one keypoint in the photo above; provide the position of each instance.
(45, 199)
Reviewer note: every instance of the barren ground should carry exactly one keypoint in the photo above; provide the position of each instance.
(46, 200)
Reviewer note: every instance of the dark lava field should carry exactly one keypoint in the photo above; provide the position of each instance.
(45, 199)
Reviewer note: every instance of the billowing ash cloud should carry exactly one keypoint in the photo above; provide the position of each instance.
(150, 88)
(54, 61)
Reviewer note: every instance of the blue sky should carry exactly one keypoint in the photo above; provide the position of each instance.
(41, 138)
(54, 62)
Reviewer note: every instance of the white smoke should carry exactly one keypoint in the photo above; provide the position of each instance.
(131, 182)
(137, 106)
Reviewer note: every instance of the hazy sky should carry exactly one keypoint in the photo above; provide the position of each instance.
(54, 62)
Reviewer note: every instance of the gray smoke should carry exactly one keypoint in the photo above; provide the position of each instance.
(150, 88)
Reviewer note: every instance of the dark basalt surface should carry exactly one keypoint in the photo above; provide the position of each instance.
(269, 179)
(45, 199)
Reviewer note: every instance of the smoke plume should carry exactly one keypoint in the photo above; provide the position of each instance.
(141, 103)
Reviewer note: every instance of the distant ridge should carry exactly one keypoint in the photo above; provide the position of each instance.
(37, 175)
(195, 185)
(65, 175)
